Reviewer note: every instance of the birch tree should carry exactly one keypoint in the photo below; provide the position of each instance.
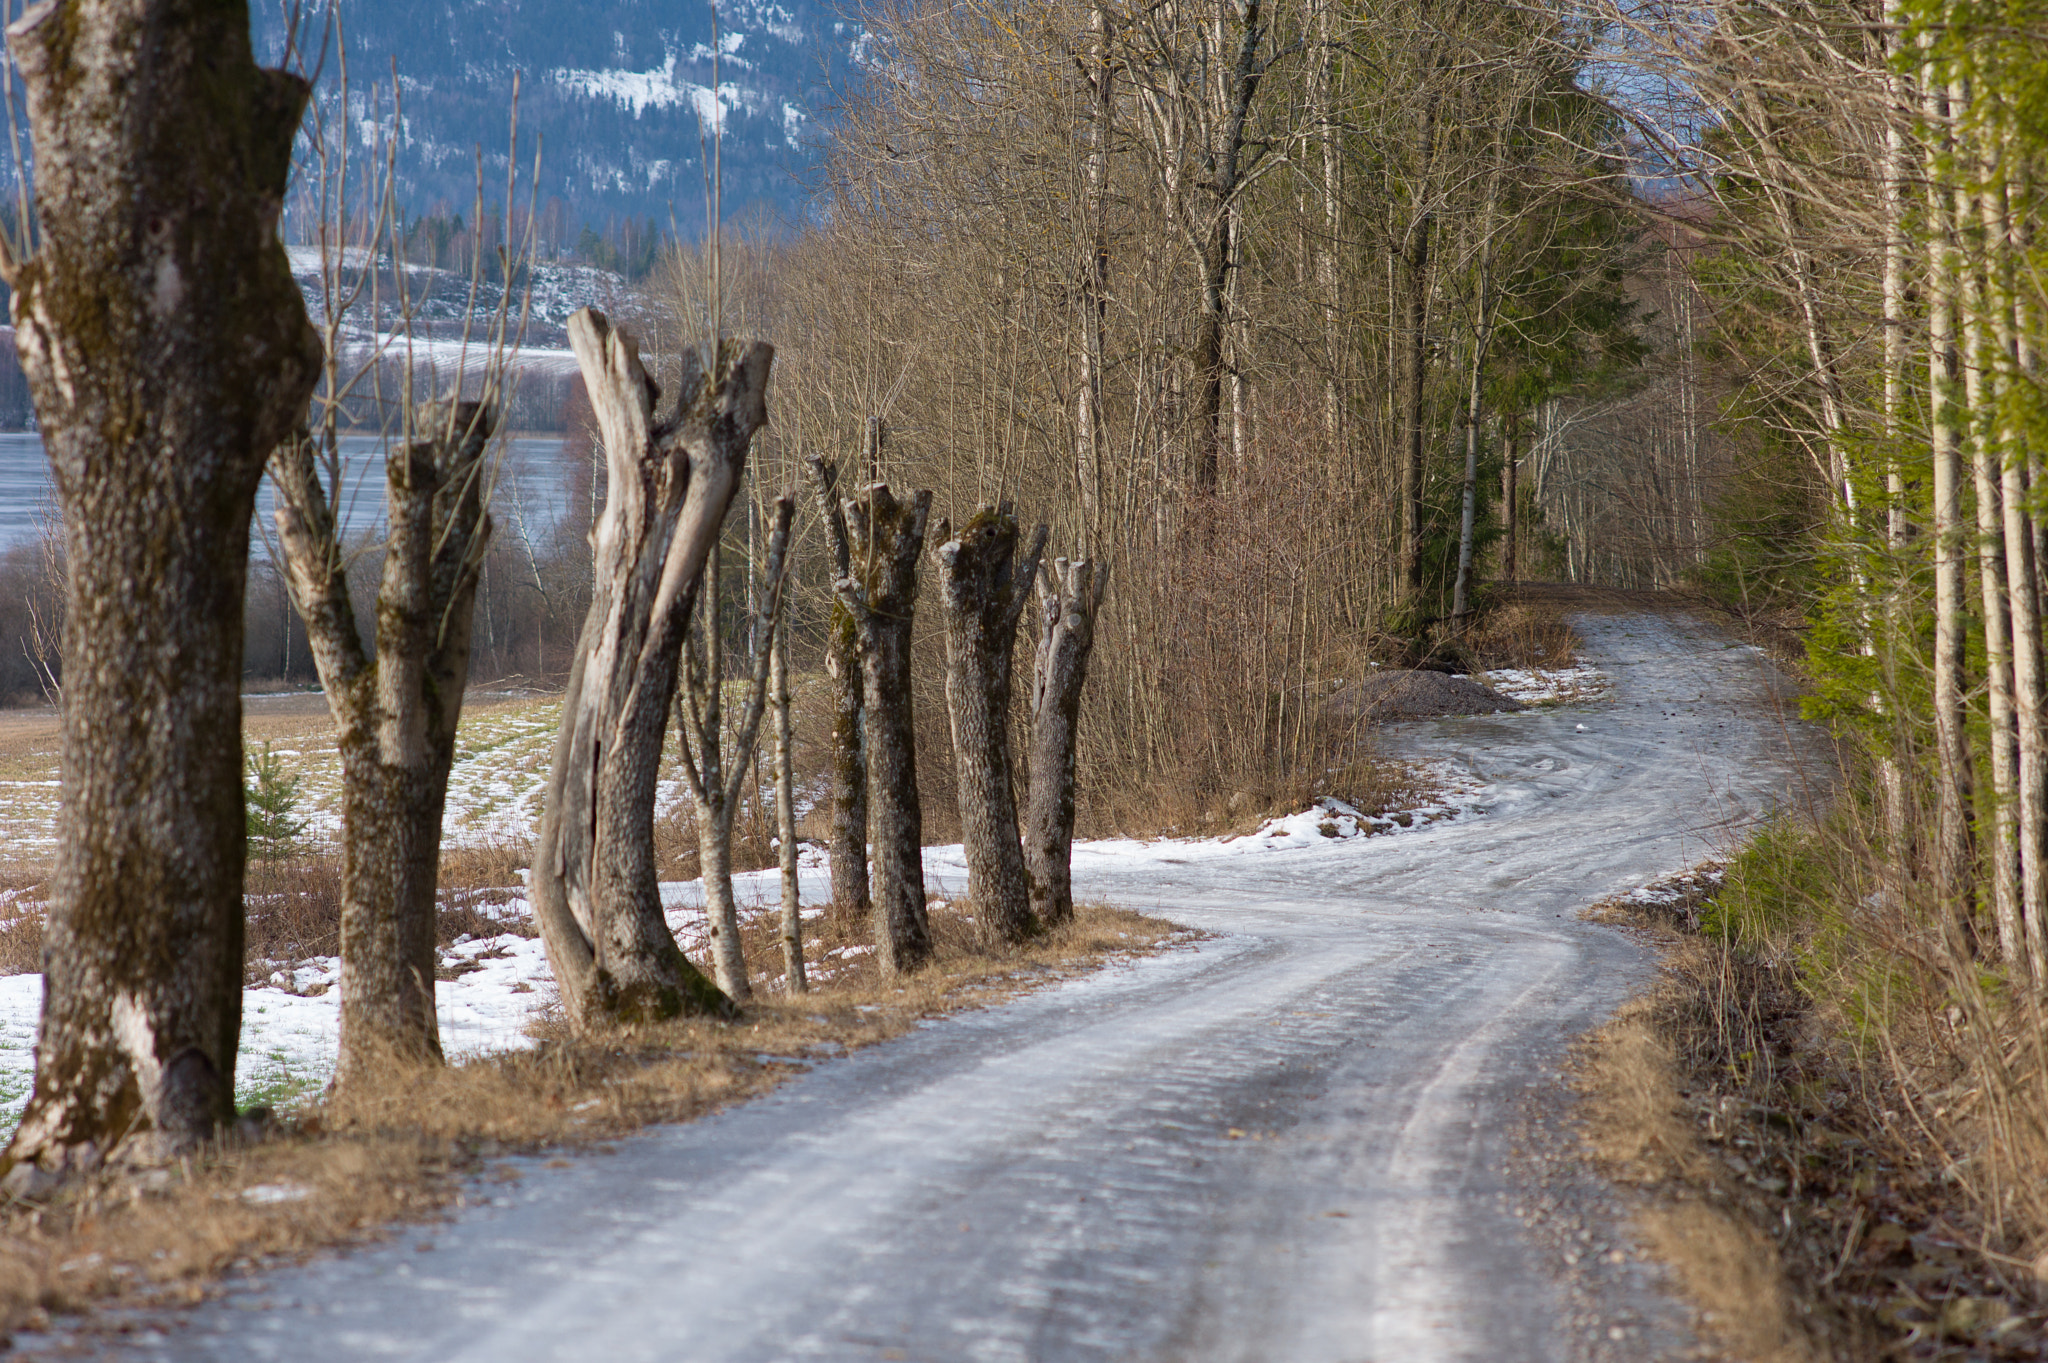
(716, 776)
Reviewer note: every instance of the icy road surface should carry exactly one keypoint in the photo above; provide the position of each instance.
(1285, 1144)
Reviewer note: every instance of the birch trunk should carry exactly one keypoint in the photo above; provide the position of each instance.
(884, 539)
(1461, 591)
(1954, 857)
(847, 833)
(396, 710)
(2021, 586)
(167, 351)
(983, 591)
(1070, 598)
(670, 484)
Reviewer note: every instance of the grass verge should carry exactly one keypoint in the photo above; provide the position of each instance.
(339, 1171)
(1808, 1164)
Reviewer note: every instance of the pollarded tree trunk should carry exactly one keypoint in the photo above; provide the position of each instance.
(1071, 597)
(167, 350)
(670, 483)
(883, 540)
(982, 593)
(396, 711)
(847, 835)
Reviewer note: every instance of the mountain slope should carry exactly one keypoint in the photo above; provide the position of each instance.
(614, 90)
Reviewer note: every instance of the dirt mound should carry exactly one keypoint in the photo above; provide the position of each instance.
(1401, 694)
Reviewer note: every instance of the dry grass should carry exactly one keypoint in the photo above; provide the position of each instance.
(1810, 1204)
(349, 1168)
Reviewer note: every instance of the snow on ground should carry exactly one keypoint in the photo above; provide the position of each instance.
(1573, 685)
(291, 1026)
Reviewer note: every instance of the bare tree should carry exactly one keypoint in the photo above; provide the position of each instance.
(398, 703)
(716, 777)
(396, 708)
(669, 484)
(847, 837)
(983, 590)
(882, 542)
(1071, 597)
(168, 351)
(785, 811)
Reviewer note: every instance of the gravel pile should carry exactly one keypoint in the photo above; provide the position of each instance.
(1398, 694)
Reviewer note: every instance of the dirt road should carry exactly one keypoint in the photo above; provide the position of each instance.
(1285, 1144)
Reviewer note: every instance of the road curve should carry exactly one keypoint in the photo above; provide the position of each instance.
(1285, 1144)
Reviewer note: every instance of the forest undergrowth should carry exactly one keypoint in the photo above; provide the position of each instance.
(1836, 1132)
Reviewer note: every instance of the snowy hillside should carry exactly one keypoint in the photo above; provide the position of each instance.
(615, 90)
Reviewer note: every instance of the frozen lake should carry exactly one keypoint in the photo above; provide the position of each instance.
(535, 480)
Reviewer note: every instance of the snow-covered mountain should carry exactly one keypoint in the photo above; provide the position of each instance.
(621, 94)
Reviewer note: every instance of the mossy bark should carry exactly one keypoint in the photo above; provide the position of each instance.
(167, 350)
(847, 832)
(885, 538)
(982, 593)
(396, 710)
(670, 483)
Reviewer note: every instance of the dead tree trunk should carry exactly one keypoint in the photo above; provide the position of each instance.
(396, 710)
(785, 813)
(847, 836)
(1070, 598)
(715, 777)
(670, 483)
(167, 350)
(882, 540)
(983, 591)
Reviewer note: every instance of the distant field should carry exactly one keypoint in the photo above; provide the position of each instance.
(494, 791)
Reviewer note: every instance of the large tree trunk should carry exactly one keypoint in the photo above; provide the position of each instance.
(167, 350)
(670, 483)
(1071, 597)
(396, 712)
(847, 833)
(983, 592)
(884, 538)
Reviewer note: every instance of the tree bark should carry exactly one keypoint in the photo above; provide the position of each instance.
(1070, 599)
(983, 591)
(1409, 389)
(1954, 857)
(785, 815)
(396, 711)
(715, 777)
(847, 835)
(669, 485)
(167, 351)
(884, 539)
(1511, 431)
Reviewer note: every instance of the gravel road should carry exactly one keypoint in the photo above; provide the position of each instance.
(1288, 1143)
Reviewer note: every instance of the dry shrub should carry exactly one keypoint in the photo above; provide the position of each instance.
(398, 1147)
(294, 913)
(1526, 631)
(22, 897)
(1831, 1142)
